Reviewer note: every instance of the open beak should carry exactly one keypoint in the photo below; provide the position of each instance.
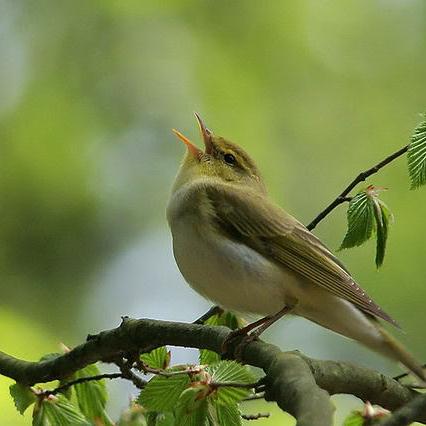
(205, 133)
(196, 152)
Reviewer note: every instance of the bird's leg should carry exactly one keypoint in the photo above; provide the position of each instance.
(256, 328)
(268, 321)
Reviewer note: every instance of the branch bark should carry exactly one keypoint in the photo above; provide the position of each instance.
(299, 384)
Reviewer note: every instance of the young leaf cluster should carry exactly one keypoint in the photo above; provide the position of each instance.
(368, 214)
(196, 396)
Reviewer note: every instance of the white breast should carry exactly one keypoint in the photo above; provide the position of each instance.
(228, 273)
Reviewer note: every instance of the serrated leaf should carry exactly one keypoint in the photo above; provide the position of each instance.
(57, 411)
(382, 215)
(92, 396)
(162, 393)
(208, 357)
(22, 396)
(192, 407)
(416, 156)
(230, 372)
(228, 415)
(367, 213)
(354, 419)
(158, 358)
(360, 217)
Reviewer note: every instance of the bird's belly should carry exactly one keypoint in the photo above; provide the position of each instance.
(231, 274)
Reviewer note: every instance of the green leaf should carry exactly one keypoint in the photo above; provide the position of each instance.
(192, 407)
(230, 372)
(382, 215)
(162, 393)
(417, 156)
(208, 357)
(56, 410)
(354, 419)
(158, 358)
(227, 319)
(228, 415)
(92, 396)
(22, 396)
(367, 213)
(360, 218)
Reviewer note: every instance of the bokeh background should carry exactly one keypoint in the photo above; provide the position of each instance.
(316, 91)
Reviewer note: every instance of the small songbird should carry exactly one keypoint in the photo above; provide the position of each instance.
(237, 248)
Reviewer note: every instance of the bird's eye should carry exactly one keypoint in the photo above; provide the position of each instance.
(229, 159)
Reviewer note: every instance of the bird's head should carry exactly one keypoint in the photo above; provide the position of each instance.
(221, 159)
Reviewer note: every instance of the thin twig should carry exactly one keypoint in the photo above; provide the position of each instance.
(212, 311)
(81, 380)
(255, 416)
(360, 178)
(128, 373)
(401, 376)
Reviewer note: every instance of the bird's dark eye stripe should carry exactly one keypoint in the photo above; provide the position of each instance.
(229, 158)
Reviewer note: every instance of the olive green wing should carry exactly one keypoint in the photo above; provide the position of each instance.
(254, 220)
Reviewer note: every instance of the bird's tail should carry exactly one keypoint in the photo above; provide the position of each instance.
(391, 348)
(344, 318)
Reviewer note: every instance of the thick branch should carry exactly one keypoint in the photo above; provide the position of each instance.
(360, 178)
(296, 382)
(408, 413)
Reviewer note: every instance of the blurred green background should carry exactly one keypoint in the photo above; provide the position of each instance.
(316, 91)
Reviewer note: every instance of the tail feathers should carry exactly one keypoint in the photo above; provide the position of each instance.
(391, 348)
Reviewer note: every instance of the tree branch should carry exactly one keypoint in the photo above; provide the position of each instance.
(300, 385)
(407, 414)
(360, 178)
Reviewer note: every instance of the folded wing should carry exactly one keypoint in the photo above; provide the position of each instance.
(268, 229)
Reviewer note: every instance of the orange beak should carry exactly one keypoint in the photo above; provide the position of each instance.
(196, 152)
(205, 133)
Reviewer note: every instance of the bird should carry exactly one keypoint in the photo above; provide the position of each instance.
(240, 250)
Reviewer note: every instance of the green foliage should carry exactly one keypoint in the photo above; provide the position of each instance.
(158, 358)
(382, 214)
(366, 214)
(227, 319)
(92, 396)
(162, 393)
(192, 407)
(417, 156)
(228, 415)
(200, 396)
(230, 372)
(22, 396)
(360, 216)
(354, 419)
(56, 410)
